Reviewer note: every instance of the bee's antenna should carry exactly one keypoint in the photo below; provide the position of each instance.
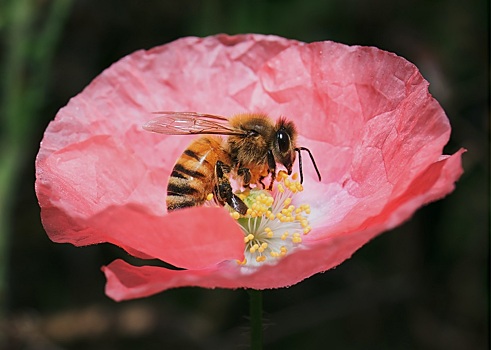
(298, 149)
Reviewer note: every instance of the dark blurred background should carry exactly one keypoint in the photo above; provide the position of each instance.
(424, 285)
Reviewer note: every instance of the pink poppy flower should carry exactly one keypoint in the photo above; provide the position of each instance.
(367, 116)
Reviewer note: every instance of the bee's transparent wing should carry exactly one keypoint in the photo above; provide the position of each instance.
(189, 123)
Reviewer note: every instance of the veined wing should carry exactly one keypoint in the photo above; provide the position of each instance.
(189, 123)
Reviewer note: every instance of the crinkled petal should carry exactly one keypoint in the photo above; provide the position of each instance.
(97, 169)
(375, 131)
(369, 120)
(172, 238)
(88, 197)
(126, 281)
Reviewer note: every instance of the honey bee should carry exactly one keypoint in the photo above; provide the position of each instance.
(250, 152)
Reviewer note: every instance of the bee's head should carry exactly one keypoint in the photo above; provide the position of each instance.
(284, 144)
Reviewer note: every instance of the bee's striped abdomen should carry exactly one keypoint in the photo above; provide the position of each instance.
(192, 178)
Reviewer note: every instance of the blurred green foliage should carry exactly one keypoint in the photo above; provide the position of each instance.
(422, 286)
(29, 43)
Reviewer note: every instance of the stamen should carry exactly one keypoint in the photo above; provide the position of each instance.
(273, 225)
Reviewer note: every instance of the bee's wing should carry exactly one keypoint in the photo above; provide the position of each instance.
(188, 123)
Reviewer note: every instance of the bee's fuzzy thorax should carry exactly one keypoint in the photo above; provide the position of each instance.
(250, 150)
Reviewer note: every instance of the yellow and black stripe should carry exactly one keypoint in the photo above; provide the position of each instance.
(192, 178)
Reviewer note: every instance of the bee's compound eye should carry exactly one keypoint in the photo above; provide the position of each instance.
(283, 141)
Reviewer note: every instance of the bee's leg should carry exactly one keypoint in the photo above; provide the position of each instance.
(222, 182)
(261, 181)
(271, 169)
(223, 189)
(246, 176)
(221, 169)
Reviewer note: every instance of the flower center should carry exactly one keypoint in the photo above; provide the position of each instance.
(272, 226)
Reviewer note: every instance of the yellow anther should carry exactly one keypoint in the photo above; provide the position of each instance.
(248, 238)
(235, 215)
(209, 197)
(268, 210)
(263, 247)
(260, 258)
(243, 262)
(281, 175)
(254, 248)
(296, 238)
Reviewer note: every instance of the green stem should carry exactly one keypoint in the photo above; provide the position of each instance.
(256, 314)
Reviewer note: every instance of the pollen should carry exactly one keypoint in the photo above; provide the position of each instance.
(287, 201)
(209, 197)
(243, 262)
(235, 215)
(275, 223)
(260, 258)
(296, 238)
(248, 238)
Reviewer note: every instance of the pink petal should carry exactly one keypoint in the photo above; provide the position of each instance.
(87, 197)
(173, 238)
(127, 282)
(370, 122)
(366, 114)
(97, 169)
(96, 166)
